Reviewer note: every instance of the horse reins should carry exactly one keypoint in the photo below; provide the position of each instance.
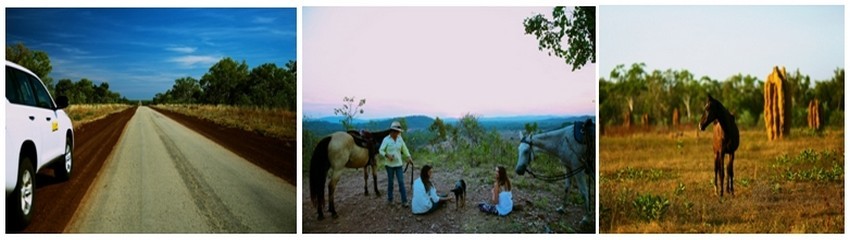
(549, 178)
(413, 169)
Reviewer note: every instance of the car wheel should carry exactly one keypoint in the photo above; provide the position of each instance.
(20, 203)
(63, 168)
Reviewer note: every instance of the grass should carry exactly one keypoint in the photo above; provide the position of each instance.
(272, 122)
(650, 182)
(83, 113)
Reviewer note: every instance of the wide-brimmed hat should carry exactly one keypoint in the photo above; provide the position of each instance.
(396, 126)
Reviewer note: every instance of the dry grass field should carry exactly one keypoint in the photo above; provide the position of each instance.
(83, 113)
(276, 123)
(663, 183)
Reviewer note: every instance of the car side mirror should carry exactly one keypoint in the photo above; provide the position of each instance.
(61, 102)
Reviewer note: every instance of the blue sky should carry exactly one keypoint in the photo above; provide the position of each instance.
(721, 41)
(140, 52)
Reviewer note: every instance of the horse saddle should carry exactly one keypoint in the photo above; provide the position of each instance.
(582, 131)
(364, 139)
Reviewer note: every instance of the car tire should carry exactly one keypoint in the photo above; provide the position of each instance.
(62, 169)
(20, 204)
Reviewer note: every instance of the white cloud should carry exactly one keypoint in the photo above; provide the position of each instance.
(182, 49)
(190, 60)
(264, 19)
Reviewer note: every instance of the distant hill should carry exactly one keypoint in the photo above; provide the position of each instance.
(326, 125)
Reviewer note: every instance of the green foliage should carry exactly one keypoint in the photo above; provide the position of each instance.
(224, 82)
(579, 26)
(809, 166)
(85, 91)
(656, 93)
(650, 207)
(308, 144)
(531, 128)
(349, 111)
(652, 174)
(229, 82)
(680, 188)
(36, 61)
(439, 129)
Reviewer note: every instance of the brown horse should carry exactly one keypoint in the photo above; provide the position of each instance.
(334, 153)
(726, 140)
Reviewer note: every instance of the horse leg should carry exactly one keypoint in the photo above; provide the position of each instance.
(722, 172)
(717, 164)
(375, 178)
(567, 189)
(366, 180)
(331, 189)
(583, 189)
(731, 172)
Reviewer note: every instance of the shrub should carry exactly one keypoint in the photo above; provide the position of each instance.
(650, 207)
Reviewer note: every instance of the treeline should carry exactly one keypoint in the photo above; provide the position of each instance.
(637, 95)
(85, 91)
(80, 92)
(231, 83)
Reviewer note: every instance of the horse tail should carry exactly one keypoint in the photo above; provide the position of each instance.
(319, 165)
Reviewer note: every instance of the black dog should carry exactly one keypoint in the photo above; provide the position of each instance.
(460, 194)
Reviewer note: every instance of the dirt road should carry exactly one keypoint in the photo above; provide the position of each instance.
(56, 202)
(163, 177)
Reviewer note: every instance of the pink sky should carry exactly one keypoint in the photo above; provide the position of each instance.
(436, 61)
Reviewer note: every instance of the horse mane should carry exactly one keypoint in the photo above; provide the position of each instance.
(725, 115)
(379, 136)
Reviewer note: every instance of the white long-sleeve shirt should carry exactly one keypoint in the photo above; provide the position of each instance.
(395, 148)
(423, 201)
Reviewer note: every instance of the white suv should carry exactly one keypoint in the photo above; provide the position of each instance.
(38, 134)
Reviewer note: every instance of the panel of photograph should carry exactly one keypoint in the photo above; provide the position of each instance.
(722, 119)
(151, 120)
(449, 120)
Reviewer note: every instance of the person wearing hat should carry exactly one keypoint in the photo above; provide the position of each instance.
(393, 149)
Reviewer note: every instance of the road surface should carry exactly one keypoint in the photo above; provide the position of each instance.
(163, 177)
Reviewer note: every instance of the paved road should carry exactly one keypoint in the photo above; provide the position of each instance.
(163, 177)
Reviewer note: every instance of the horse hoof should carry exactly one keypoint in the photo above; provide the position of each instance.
(367, 193)
(334, 216)
(321, 218)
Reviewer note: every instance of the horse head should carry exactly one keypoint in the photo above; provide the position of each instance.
(525, 151)
(711, 112)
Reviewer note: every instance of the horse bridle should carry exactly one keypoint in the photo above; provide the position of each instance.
(549, 178)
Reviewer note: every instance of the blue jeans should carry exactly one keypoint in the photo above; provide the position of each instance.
(396, 172)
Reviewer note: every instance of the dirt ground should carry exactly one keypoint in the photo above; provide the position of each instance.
(277, 156)
(56, 201)
(372, 214)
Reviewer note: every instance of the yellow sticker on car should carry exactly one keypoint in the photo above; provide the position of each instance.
(55, 126)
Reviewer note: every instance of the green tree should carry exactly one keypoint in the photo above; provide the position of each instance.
(531, 128)
(349, 111)
(65, 87)
(185, 90)
(470, 128)
(221, 84)
(290, 85)
(85, 89)
(438, 127)
(268, 86)
(579, 26)
(36, 61)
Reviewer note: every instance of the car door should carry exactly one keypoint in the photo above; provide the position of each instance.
(47, 122)
(21, 124)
